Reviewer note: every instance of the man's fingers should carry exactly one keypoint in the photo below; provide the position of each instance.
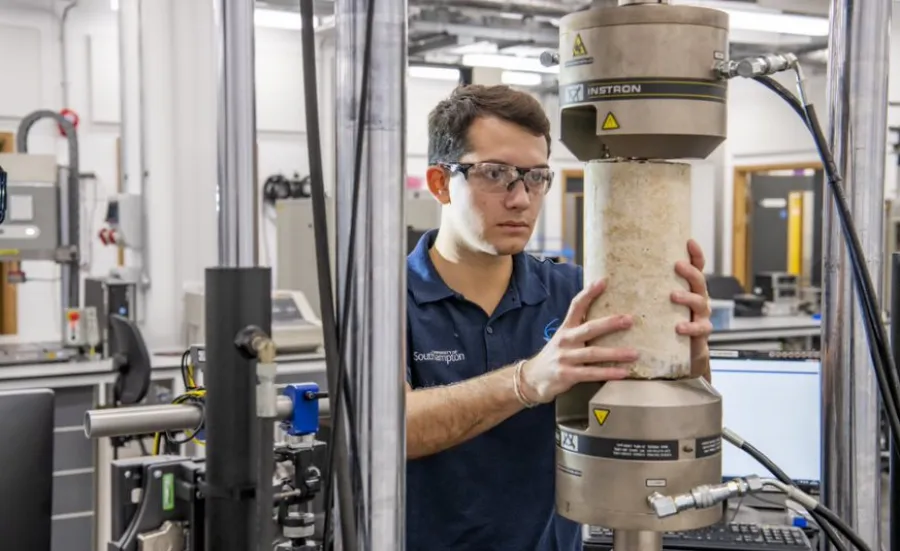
(598, 374)
(694, 276)
(695, 328)
(595, 355)
(696, 255)
(698, 304)
(582, 301)
(592, 329)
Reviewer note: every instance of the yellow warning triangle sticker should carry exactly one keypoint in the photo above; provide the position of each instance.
(601, 415)
(610, 122)
(579, 50)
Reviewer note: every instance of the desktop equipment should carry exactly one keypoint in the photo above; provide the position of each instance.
(732, 536)
(746, 305)
(771, 399)
(295, 326)
(108, 296)
(296, 266)
(26, 469)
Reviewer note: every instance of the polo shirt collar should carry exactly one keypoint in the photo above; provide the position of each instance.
(426, 284)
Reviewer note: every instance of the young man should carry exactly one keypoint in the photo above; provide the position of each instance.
(495, 335)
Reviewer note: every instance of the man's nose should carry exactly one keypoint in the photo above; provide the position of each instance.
(517, 197)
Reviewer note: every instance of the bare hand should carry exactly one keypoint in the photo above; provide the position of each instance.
(697, 299)
(567, 360)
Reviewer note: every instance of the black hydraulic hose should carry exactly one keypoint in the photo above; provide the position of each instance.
(841, 527)
(350, 268)
(337, 445)
(776, 471)
(894, 465)
(882, 360)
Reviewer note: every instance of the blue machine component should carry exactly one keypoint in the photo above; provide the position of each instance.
(305, 417)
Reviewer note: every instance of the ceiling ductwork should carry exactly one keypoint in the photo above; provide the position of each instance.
(524, 8)
(458, 32)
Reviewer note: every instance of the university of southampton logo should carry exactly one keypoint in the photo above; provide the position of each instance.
(550, 329)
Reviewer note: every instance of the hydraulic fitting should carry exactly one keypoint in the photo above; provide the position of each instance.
(549, 59)
(757, 66)
(704, 496)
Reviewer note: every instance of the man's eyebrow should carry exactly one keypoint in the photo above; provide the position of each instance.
(499, 162)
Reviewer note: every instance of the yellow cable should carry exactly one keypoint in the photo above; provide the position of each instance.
(191, 393)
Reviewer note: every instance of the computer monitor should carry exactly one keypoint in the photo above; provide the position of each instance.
(26, 468)
(771, 400)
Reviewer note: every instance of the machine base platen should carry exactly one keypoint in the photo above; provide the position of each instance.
(637, 437)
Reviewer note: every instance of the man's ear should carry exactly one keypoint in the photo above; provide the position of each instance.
(439, 183)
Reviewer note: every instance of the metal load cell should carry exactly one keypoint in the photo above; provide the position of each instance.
(641, 438)
(642, 81)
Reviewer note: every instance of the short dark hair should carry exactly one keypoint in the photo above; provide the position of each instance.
(449, 122)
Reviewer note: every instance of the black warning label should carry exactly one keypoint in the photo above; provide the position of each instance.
(643, 88)
(617, 448)
(708, 446)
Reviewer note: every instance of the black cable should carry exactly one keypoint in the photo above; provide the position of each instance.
(337, 445)
(185, 378)
(188, 436)
(776, 471)
(882, 360)
(841, 526)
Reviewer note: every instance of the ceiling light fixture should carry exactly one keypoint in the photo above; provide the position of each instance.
(765, 20)
(508, 63)
(781, 23)
(433, 73)
(278, 19)
(520, 78)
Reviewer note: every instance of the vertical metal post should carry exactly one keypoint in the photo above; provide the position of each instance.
(894, 487)
(857, 100)
(377, 329)
(238, 294)
(237, 134)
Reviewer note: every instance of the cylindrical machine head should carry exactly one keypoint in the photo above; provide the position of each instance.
(620, 442)
(640, 81)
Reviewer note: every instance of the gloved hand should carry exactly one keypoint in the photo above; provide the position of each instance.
(567, 359)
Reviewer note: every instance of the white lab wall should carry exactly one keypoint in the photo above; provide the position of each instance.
(763, 130)
(30, 52)
(179, 112)
(179, 118)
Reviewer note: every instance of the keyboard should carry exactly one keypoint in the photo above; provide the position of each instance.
(722, 537)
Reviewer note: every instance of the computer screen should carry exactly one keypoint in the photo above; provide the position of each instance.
(26, 469)
(774, 404)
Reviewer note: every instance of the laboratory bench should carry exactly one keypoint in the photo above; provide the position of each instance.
(82, 385)
(79, 486)
(769, 333)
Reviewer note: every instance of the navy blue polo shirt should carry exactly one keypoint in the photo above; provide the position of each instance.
(494, 492)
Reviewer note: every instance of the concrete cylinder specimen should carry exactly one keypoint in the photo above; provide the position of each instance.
(637, 222)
